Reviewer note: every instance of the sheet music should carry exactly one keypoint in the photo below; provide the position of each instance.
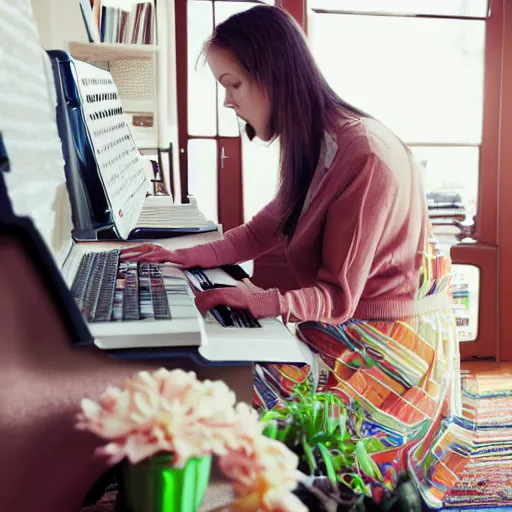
(121, 168)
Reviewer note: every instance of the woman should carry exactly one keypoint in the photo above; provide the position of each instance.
(373, 300)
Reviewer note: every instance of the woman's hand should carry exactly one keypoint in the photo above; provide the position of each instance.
(260, 303)
(153, 253)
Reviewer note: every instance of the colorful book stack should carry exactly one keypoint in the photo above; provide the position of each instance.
(119, 21)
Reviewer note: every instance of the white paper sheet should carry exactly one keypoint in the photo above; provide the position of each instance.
(121, 168)
(160, 212)
(36, 181)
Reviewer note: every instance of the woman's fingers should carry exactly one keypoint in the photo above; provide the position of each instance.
(159, 257)
(149, 253)
(153, 253)
(232, 297)
(137, 251)
(247, 285)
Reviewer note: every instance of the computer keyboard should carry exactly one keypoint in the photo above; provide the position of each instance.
(94, 285)
(107, 290)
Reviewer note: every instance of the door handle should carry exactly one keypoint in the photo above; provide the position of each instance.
(223, 157)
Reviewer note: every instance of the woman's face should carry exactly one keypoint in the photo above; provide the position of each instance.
(243, 95)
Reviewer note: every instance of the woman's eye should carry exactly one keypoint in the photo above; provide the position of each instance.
(236, 86)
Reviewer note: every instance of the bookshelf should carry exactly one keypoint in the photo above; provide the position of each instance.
(144, 73)
(105, 52)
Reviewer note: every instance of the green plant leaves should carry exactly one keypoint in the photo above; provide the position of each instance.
(317, 427)
(367, 465)
(327, 460)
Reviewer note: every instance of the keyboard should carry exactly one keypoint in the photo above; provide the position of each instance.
(105, 290)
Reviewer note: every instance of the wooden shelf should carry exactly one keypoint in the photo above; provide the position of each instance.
(137, 105)
(102, 52)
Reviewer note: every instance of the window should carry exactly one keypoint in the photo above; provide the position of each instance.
(466, 290)
(422, 67)
(218, 165)
(424, 79)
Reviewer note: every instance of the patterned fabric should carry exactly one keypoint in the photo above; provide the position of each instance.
(403, 372)
(466, 460)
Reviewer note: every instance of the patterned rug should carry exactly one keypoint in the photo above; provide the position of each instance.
(479, 444)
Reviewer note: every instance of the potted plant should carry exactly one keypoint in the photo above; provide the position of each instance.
(325, 433)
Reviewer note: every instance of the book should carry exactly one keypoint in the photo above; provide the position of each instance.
(90, 24)
(120, 21)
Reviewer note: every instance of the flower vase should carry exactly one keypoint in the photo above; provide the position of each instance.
(154, 485)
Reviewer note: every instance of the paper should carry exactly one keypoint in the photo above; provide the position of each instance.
(121, 168)
(160, 212)
(36, 182)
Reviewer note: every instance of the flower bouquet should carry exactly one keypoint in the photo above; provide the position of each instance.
(164, 427)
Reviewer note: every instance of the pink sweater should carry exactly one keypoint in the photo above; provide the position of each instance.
(358, 245)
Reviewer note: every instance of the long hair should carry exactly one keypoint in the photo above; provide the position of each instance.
(272, 48)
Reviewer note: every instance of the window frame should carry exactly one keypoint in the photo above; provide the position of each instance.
(493, 238)
(504, 186)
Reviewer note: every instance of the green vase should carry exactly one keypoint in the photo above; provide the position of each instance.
(154, 485)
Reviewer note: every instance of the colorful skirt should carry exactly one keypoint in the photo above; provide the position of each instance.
(402, 372)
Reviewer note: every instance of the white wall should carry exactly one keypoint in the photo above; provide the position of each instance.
(168, 129)
(59, 22)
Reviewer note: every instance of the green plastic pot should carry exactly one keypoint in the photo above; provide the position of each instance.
(154, 485)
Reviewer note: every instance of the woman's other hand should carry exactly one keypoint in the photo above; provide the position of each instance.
(197, 256)
(260, 303)
(154, 253)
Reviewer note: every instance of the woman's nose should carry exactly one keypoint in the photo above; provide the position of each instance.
(228, 102)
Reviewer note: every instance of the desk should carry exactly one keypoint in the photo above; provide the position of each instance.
(178, 242)
(44, 379)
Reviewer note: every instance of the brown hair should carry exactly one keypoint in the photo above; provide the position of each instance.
(272, 48)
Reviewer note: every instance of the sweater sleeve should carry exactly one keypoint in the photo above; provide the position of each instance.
(247, 241)
(353, 229)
